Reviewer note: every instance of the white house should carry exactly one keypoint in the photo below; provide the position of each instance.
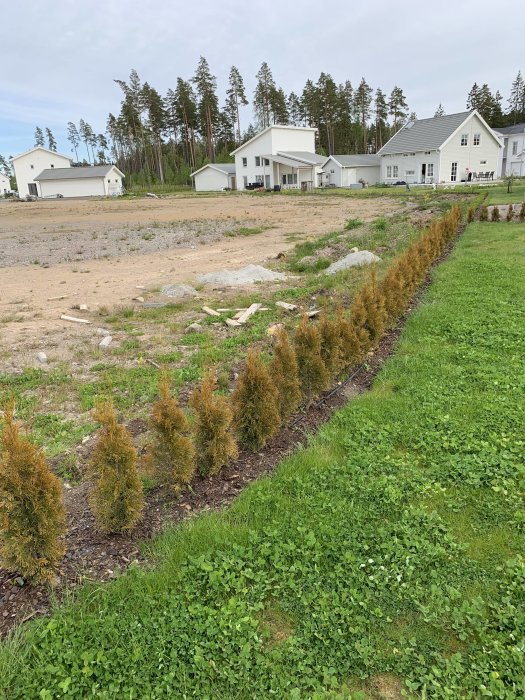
(88, 181)
(31, 163)
(345, 171)
(279, 156)
(452, 148)
(5, 185)
(215, 177)
(512, 155)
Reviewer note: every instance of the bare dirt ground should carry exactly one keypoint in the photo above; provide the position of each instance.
(96, 252)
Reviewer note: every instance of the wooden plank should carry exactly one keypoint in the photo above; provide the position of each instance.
(231, 322)
(249, 312)
(210, 312)
(73, 319)
(284, 305)
(64, 296)
(311, 314)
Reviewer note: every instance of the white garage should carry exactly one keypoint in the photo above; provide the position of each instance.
(89, 181)
(345, 171)
(215, 177)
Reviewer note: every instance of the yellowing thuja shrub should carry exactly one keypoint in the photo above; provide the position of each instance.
(312, 371)
(330, 345)
(284, 372)
(117, 498)
(32, 516)
(350, 351)
(170, 454)
(213, 416)
(255, 403)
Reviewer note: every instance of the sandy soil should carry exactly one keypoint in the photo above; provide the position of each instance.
(97, 252)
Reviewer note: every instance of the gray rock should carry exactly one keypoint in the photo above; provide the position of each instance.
(194, 328)
(246, 275)
(308, 260)
(42, 358)
(362, 257)
(103, 332)
(105, 342)
(178, 291)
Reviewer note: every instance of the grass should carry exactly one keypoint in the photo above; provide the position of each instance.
(499, 194)
(389, 554)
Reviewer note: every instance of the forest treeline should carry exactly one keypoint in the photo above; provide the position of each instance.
(158, 138)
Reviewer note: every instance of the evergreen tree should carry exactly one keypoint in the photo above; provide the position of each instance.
(208, 106)
(397, 106)
(440, 112)
(156, 123)
(279, 107)
(362, 102)
(88, 136)
(380, 118)
(295, 109)
(73, 137)
(517, 99)
(262, 97)
(51, 142)
(327, 103)
(39, 137)
(235, 98)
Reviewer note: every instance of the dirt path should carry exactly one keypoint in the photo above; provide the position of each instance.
(29, 320)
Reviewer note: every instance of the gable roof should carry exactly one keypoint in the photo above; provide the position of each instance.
(83, 173)
(41, 148)
(359, 160)
(284, 159)
(273, 126)
(304, 156)
(427, 134)
(226, 168)
(508, 130)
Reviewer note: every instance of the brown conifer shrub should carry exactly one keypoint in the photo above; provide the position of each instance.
(495, 213)
(351, 352)
(117, 498)
(484, 213)
(522, 212)
(171, 453)
(510, 213)
(393, 289)
(368, 313)
(471, 214)
(32, 516)
(255, 403)
(215, 443)
(330, 345)
(284, 372)
(312, 371)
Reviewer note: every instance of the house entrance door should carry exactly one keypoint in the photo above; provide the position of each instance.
(423, 172)
(32, 189)
(267, 181)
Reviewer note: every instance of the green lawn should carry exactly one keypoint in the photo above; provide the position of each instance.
(499, 194)
(387, 554)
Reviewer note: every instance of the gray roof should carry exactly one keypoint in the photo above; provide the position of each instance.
(74, 173)
(508, 130)
(358, 160)
(226, 168)
(424, 134)
(304, 156)
(290, 162)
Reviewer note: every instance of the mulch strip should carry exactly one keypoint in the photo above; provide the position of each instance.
(95, 556)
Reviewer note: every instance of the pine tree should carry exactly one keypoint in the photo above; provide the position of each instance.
(517, 99)
(362, 102)
(171, 453)
(235, 98)
(87, 134)
(213, 421)
(295, 109)
(255, 404)
(155, 123)
(312, 371)
(117, 498)
(284, 372)
(262, 97)
(51, 142)
(380, 118)
(73, 137)
(39, 137)
(32, 516)
(440, 112)
(398, 107)
(208, 106)
(327, 103)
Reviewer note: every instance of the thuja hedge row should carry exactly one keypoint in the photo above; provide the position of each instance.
(302, 366)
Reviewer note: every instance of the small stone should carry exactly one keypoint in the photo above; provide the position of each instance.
(178, 291)
(86, 439)
(194, 328)
(354, 250)
(141, 299)
(42, 358)
(19, 581)
(105, 342)
(83, 307)
(102, 331)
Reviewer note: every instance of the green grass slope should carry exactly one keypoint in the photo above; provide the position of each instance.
(387, 555)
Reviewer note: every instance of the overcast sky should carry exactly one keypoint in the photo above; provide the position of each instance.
(58, 59)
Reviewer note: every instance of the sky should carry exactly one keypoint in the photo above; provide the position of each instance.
(59, 59)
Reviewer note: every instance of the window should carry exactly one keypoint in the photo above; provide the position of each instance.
(395, 171)
(257, 161)
(464, 139)
(109, 180)
(266, 161)
(410, 172)
(332, 172)
(514, 148)
(52, 165)
(430, 169)
(389, 171)
(290, 179)
(453, 172)
(32, 167)
(116, 181)
(245, 180)
(483, 162)
(477, 139)
(427, 153)
(245, 162)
